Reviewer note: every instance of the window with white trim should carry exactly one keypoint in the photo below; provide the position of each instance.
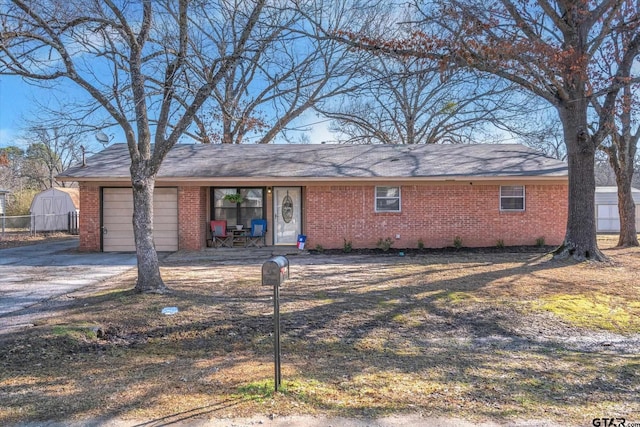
(512, 198)
(387, 199)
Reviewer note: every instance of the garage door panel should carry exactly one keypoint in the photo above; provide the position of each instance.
(123, 199)
(118, 196)
(163, 234)
(125, 219)
(163, 215)
(164, 238)
(163, 219)
(165, 226)
(126, 222)
(119, 230)
(121, 248)
(128, 216)
(119, 227)
(117, 219)
(162, 244)
(159, 228)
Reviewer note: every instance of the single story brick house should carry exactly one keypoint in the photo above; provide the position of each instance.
(332, 193)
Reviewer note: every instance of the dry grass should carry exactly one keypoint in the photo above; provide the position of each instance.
(468, 335)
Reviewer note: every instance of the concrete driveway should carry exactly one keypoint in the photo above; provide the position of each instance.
(32, 275)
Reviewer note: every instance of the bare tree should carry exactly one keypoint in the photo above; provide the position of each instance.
(11, 165)
(605, 176)
(540, 128)
(406, 101)
(621, 147)
(621, 151)
(287, 69)
(14, 176)
(548, 48)
(131, 58)
(49, 152)
(615, 161)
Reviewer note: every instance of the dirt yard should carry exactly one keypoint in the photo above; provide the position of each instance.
(483, 337)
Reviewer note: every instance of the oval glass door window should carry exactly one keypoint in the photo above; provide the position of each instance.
(287, 208)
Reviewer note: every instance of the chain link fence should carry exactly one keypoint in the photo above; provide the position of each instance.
(29, 225)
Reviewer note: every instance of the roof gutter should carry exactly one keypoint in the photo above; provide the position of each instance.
(303, 180)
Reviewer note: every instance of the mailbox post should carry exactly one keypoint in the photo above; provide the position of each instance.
(275, 271)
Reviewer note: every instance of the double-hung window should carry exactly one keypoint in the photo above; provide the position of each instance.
(512, 198)
(250, 207)
(387, 199)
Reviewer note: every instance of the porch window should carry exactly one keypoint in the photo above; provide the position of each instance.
(387, 199)
(512, 198)
(251, 206)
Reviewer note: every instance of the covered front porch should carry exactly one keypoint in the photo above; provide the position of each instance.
(237, 208)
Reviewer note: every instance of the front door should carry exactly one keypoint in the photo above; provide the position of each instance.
(287, 215)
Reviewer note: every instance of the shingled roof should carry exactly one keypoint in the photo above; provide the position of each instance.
(322, 162)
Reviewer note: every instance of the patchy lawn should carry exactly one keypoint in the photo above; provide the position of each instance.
(476, 336)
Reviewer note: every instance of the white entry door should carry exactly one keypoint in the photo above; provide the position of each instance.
(287, 215)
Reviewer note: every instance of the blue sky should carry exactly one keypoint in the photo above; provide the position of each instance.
(17, 101)
(20, 100)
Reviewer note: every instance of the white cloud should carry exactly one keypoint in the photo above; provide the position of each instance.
(320, 132)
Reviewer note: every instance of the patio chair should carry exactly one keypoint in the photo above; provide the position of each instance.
(258, 232)
(219, 236)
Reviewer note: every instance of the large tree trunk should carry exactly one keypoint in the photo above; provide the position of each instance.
(622, 154)
(627, 211)
(149, 279)
(580, 240)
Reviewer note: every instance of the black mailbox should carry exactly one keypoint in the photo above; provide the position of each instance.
(275, 271)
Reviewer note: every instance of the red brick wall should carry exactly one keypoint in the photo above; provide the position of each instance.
(434, 214)
(89, 221)
(192, 211)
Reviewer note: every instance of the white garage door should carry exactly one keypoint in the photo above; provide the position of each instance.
(117, 212)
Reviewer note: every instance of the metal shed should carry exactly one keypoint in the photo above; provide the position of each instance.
(607, 217)
(51, 209)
